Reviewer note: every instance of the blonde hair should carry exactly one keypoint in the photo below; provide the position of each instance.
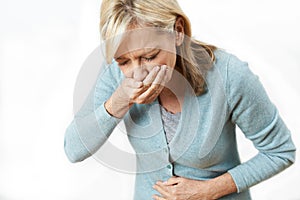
(194, 58)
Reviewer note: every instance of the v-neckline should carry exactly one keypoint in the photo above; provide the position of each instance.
(175, 137)
(181, 142)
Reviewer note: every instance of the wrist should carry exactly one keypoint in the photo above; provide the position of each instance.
(206, 190)
(116, 108)
(221, 186)
(212, 189)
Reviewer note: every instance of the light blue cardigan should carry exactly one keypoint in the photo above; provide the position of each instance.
(204, 145)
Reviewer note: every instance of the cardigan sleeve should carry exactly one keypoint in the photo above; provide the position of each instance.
(259, 120)
(92, 124)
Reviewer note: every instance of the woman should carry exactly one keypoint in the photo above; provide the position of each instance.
(181, 100)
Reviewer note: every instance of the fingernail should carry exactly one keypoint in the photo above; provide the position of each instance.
(157, 68)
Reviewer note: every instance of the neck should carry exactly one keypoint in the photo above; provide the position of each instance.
(170, 101)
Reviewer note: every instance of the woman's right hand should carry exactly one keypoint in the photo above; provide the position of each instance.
(142, 88)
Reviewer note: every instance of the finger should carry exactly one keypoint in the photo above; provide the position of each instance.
(160, 76)
(136, 93)
(172, 181)
(167, 77)
(129, 90)
(158, 182)
(151, 76)
(154, 90)
(169, 73)
(155, 197)
(162, 190)
(155, 93)
(155, 87)
(132, 83)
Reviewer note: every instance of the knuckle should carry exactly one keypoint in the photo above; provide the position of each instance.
(154, 86)
(132, 96)
(146, 86)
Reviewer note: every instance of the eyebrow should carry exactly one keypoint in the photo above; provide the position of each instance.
(147, 51)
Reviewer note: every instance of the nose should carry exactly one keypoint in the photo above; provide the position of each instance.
(139, 72)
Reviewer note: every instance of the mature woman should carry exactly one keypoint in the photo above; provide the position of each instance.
(180, 100)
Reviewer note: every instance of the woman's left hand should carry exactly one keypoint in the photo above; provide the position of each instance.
(180, 188)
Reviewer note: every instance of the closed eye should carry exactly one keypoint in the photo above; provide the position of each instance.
(151, 56)
(149, 59)
(123, 63)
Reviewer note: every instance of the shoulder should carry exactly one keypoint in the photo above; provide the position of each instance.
(226, 62)
(232, 69)
(242, 86)
(234, 77)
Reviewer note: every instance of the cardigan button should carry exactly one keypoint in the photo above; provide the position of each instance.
(169, 166)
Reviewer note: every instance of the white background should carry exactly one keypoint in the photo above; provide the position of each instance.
(42, 47)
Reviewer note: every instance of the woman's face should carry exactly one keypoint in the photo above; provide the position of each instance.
(143, 49)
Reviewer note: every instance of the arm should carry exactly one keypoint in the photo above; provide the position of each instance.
(105, 107)
(221, 186)
(260, 122)
(92, 124)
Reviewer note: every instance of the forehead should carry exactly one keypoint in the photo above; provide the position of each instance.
(143, 40)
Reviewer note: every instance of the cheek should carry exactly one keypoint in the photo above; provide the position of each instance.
(170, 59)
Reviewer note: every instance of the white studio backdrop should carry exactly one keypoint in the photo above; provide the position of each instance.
(42, 47)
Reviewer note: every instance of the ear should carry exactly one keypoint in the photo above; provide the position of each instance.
(179, 30)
